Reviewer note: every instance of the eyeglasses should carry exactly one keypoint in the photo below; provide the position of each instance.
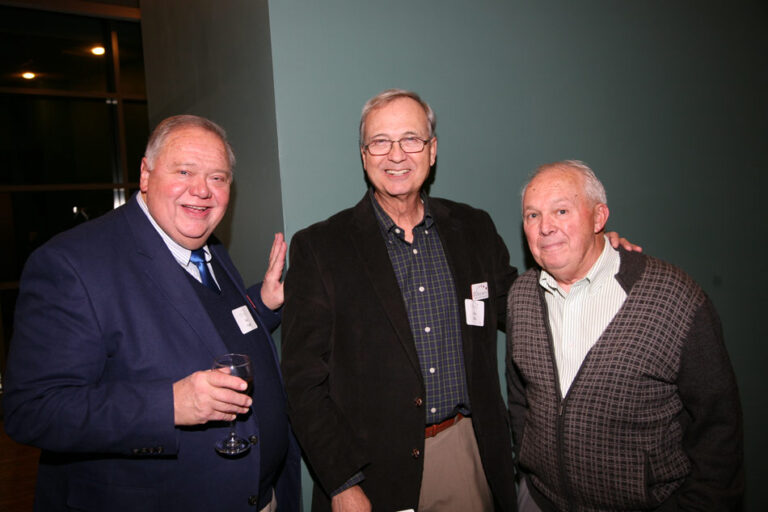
(381, 147)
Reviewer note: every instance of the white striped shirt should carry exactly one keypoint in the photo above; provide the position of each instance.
(180, 254)
(578, 318)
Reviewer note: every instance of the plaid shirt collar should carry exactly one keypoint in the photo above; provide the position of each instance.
(386, 223)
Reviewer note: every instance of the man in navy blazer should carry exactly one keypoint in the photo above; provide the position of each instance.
(115, 334)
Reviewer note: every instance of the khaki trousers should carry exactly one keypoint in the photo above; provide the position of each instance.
(453, 478)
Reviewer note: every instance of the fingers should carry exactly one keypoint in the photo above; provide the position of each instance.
(220, 378)
(226, 391)
(629, 246)
(209, 396)
(272, 294)
(616, 241)
(277, 257)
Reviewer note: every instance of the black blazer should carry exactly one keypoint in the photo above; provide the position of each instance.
(352, 373)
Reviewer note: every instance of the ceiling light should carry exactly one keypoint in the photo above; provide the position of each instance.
(28, 75)
(97, 50)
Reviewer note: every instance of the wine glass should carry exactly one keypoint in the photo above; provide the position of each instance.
(238, 365)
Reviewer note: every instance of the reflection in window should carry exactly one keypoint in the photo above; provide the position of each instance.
(72, 132)
(131, 58)
(55, 47)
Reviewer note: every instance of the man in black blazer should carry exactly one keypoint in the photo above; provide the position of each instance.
(115, 335)
(389, 336)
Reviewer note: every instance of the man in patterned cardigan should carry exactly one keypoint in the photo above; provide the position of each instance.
(621, 393)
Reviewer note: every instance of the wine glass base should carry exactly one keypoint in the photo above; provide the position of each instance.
(233, 446)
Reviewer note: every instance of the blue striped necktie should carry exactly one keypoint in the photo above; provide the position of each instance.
(198, 258)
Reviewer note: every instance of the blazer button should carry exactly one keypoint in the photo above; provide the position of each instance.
(253, 500)
(415, 453)
(418, 402)
(254, 439)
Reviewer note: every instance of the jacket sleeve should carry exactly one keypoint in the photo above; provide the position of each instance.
(270, 319)
(517, 403)
(505, 276)
(712, 422)
(288, 487)
(329, 442)
(56, 397)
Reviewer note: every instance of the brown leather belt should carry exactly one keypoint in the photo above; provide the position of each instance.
(433, 430)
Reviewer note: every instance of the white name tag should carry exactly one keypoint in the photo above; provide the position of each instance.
(475, 312)
(244, 320)
(480, 291)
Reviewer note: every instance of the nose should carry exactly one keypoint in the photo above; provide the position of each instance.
(396, 153)
(546, 226)
(199, 187)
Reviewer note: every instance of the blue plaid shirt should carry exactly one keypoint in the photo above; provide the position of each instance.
(429, 294)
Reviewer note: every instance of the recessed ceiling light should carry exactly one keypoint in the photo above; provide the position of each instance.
(28, 75)
(97, 50)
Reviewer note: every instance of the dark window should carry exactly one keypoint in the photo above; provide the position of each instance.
(72, 131)
(56, 47)
(53, 140)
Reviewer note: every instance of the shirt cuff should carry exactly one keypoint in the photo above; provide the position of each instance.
(353, 481)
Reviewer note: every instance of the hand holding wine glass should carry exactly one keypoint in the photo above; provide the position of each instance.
(238, 365)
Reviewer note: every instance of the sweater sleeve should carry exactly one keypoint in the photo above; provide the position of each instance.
(713, 438)
(517, 402)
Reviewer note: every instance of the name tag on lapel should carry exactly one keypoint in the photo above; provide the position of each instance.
(244, 320)
(475, 311)
(480, 291)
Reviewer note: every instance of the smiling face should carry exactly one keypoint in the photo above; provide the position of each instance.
(398, 175)
(187, 189)
(562, 225)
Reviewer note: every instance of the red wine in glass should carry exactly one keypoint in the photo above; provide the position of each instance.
(238, 365)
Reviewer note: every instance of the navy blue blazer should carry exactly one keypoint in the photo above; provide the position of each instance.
(106, 322)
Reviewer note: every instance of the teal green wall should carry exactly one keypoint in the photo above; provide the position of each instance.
(666, 100)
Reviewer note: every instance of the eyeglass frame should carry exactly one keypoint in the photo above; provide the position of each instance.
(399, 142)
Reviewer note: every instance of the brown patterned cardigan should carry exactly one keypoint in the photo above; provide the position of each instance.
(652, 419)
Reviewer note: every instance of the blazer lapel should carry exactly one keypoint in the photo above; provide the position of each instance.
(366, 237)
(161, 267)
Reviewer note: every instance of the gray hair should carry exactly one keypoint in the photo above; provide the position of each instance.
(389, 96)
(593, 188)
(171, 124)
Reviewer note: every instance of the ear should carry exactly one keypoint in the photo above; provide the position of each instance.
(432, 151)
(600, 215)
(362, 157)
(144, 178)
